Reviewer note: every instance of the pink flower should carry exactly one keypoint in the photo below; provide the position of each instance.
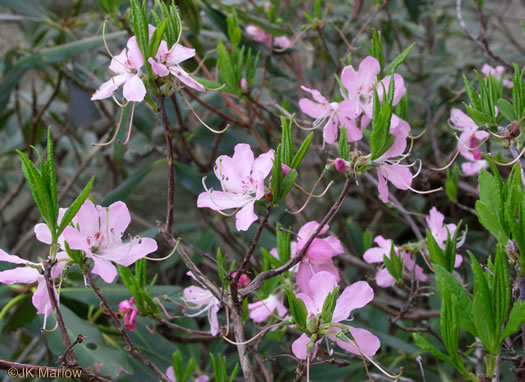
(167, 62)
(498, 72)
(435, 221)
(29, 274)
(260, 35)
(203, 301)
(360, 85)
(130, 312)
(330, 116)
(390, 170)
(126, 66)
(318, 256)
(170, 373)
(261, 310)
(377, 254)
(353, 297)
(98, 232)
(242, 182)
(468, 144)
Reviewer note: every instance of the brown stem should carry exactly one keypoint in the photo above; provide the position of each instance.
(263, 276)
(238, 331)
(130, 347)
(73, 362)
(171, 173)
(253, 245)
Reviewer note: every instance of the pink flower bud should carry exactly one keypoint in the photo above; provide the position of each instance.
(341, 165)
(243, 280)
(244, 84)
(285, 169)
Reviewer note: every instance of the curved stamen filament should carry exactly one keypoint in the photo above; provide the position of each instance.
(116, 132)
(129, 126)
(254, 337)
(448, 164)
(470, 148)
(311, 193)
(412, 137)
(165, 257)
(201, 121)
(309, 197)
(499, 136)
(511, 162)
(104, 38)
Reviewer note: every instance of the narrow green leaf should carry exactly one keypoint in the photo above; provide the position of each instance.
(75, 206)
(398, 60)
(297, 309)
(301, 152)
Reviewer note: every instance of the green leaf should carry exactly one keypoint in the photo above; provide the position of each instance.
(451, 185)
(288, 183)
(398, 60)
(381, 139)
(140, 26)
(394, 265)
(329, 305)
(283, 244)
(52, 178)
(297, 309)
(427, 346)
(501, 288)
(437, 256)
(491, 222)
(286, 142)
(344, 147)
(506, 109)
(446, 283)
(516, 319)
(277, 176)
(75, 206)
(301, 152)
(226, 66)
(450, 328)
(156, 38)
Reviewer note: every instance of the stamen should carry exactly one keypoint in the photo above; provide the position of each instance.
(311, 194)
(201, 121)
(309, 197)
(129, 127)
(470, 148)
(166, 257)
(116, 132)
(104, 38)
(511, 162)
(448, 164)
(254, 337)
(419, 135)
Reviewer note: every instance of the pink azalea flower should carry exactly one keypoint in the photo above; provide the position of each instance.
(170, 373)
(29, 274)
(243, 280)
(377, 254)
(390, 170)
(130, 312)
(318, 256)
(98, 232)
(353, 297)
(260, 35)
(469, 142)
(242, 181)
(203, 301)
(167, 62)
(261, 310)
(360, 85)
(331, 115)
(126, 66)
(498, 72)
(435, 221)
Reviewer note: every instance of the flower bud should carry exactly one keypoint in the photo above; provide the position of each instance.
(285, 169)
(244, 84)
(341, 165)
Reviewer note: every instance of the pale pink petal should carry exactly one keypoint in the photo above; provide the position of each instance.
(128, 253)
(368, 70)
(374, 255)
(314, 109)
(219, 200)
(353, 133)
(179, 53)
(42, 233)
(458, 261)
(316, 95)
(335, 243)
(311, 308)
(320, 249)
(41, 298)
(384, 279)
(282, 42)
(22, 275)
(473, 168)
(399, 88)
(62, 259)
(198, 296)
(104, 269)
(321, 285)
(213, 319)
(462, 120)
(76, 240)
(363, 342)
(162, 52)
(107, 88)
(304, 273)
(260, 310)
(331, 130)
(242, 159)
(134, 89)
(398, 175)
(245, 217)
(118, 63)
(186, 79)
(118, 220)
(4, 256)
(159, 69)
(135, 58)
(170, 373)
(202, 378)
(299, 346)
(354, 296)
(382, 187)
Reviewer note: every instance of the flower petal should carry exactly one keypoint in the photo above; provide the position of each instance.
(245, 217)
(365, 342)
(179, 53)
(128, 253)
(104, 269)
(22, 275)
(354, 296)
(134, 89)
